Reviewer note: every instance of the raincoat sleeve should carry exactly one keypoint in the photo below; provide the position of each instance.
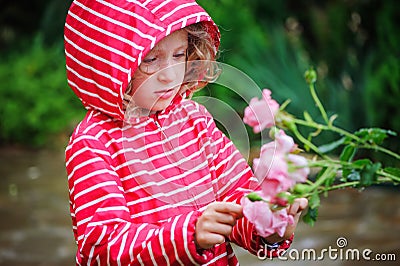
(104, 232)
(235, 179)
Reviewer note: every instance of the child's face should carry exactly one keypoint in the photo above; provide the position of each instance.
(161, 73)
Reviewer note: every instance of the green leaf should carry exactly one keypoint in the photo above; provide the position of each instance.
(311, 216)
(302, 188)
(393, 171)
(330, 180)
(362, 162)
(374, 135)
(314, 200)
(348, 153)
(291, 198)
(331, 146)
(321, 172)
(354, 175)
(353, 172)
(368, 174)
(253, 196)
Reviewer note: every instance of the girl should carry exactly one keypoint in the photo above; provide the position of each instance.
(152, 181)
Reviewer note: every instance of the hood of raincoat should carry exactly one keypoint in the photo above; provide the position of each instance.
(105, 42)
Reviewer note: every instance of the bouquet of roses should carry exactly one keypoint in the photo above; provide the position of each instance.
(283, 172)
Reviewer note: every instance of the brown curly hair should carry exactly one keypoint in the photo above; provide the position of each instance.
(201, 65)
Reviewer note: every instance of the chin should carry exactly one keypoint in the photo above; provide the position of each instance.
(161, 105)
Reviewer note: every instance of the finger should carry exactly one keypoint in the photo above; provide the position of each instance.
(298, 206)
(297, 217)
(215, 228)
(221, 214)
(215, 222)
(293, 208)
(231, 208)
(208, 240)
(221, 229)
(223, 218)
(303, 203)
(238, 215)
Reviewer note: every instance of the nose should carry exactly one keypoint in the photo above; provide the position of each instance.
(167, 74)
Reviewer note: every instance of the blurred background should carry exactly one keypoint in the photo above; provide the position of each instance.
(354, 45)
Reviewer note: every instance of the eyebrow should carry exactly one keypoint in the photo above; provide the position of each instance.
(157, 50)
(182, 47)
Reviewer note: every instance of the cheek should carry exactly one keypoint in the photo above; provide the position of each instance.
(137, 82)
(182, 72)
(139, 88)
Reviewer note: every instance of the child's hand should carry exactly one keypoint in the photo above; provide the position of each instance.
(216, 223)
(295, 210)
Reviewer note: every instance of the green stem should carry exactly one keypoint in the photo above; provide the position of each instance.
(387, 175)
(318, 103)
(338, 164)
(326, 127)
(324, 163)
(308, 143)
(327, 174)
(381, 149)
(347, 134)
(340, 186)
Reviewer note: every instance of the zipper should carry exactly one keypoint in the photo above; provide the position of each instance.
(164, 136)
(173, 157)
(157, 123)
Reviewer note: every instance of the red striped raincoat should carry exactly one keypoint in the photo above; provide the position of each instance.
(136, 189)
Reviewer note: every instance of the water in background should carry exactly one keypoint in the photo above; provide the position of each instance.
(35, 227)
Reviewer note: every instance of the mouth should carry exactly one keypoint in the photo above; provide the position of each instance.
(165, 94)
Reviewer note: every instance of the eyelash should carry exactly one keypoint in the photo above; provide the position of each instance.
(152, 59)
(149, 60)
(180, 55)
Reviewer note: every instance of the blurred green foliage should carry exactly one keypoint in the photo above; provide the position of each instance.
(352, 44)
(36, 102)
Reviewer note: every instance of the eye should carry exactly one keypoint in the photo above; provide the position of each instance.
(149, 60)
(180, 54)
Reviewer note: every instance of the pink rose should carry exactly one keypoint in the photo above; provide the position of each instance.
(270, 162)
(261, 165)
(281, 219)
(260, 114)
(284, 143)
(273, 157)
(276, 169)
(276, 184)
(271, 169)
(265, 221)
(270, 187)
(298, 170)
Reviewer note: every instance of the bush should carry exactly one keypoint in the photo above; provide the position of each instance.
(353, 44)
(37, 102)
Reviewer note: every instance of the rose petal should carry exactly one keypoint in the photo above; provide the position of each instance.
(285, 143)
(265, 221)
(260, 114)
(300, 171)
